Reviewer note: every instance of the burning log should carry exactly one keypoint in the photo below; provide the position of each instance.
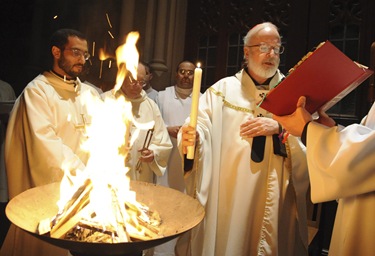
(179, 213)
(77, 221)
(69, 224)
(103, 215)
(74, 210)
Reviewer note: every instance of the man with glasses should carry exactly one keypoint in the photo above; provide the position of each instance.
(175, 105)
(252, 185)
(148, 156)
(46, 128)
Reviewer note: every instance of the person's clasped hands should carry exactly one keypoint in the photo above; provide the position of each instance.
(147, 155)
(258, 126)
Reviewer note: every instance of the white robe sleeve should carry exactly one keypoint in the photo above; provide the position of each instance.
(340, 162)
(161, 144)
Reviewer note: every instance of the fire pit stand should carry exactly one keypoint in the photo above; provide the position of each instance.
(179, 214)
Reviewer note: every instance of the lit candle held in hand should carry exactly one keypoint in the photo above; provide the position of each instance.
(194, 105)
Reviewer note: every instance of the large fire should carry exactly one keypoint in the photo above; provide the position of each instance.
(96, 204)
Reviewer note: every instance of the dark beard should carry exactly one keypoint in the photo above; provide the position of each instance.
(62, 63)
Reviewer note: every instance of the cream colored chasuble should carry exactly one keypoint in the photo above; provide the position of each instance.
(45, 130)
(250, 206)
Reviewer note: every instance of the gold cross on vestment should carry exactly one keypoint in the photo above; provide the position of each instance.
(83, 124)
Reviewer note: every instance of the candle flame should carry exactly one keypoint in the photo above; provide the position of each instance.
(198, 64)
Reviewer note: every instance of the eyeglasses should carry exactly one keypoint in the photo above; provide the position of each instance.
(79, 53)
(266, 48)
(186, 71)
(136, 82)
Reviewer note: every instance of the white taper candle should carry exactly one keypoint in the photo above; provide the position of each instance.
(195, 104)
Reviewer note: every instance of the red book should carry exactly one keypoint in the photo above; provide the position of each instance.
(324, 76)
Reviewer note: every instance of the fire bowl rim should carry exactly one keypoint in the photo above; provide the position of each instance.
(110, 249)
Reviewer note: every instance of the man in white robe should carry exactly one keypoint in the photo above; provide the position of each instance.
(252, 187)
(175, 104)
(151, 160)
(341, 167)
(45, 131)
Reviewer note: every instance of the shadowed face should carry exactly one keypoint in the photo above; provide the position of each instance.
(132, 88)
(185, 75)
(70, 60)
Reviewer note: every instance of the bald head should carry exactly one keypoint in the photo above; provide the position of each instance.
(262, 46)
(258, 30)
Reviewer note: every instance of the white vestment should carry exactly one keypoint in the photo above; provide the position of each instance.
(341, 166)
(45, 131)
(174, 111)
(146, 111)
(252, 208)
(152, 94)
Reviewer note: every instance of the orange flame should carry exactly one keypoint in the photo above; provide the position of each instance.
(127, 59)
(102, 55)
(112, 117)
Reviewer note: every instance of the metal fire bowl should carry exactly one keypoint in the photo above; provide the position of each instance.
(179, 213)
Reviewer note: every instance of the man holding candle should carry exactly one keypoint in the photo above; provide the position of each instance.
(175, 105)
(252, 185)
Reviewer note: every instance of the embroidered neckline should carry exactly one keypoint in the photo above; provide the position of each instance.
(230, 105)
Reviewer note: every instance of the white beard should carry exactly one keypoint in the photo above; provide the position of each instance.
(261, 71)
